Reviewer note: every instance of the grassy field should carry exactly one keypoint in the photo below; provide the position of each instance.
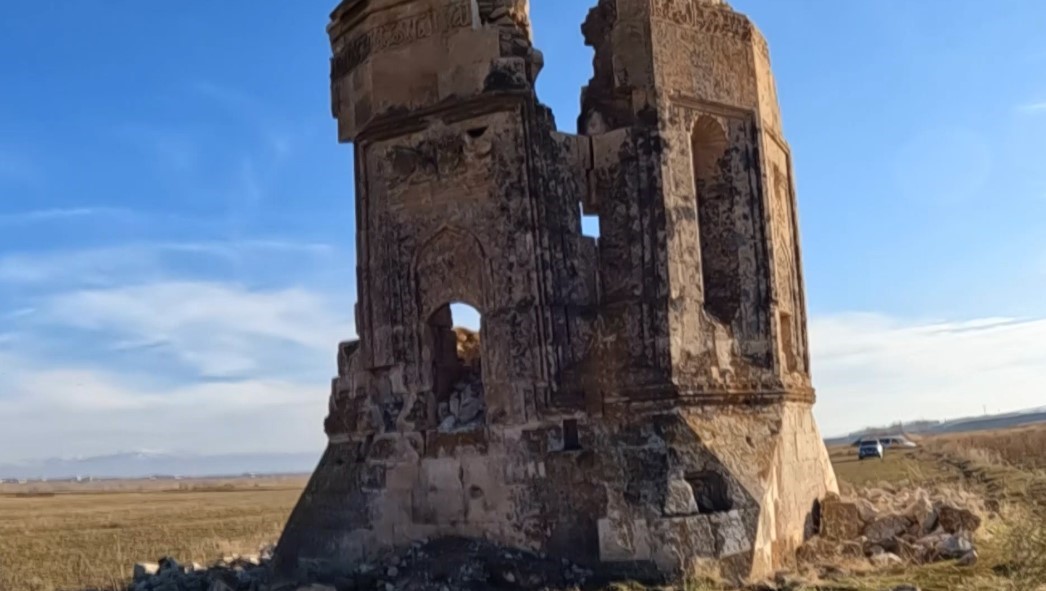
(87, 536)
(1023, 447)
(1005, 466)
(64, 537)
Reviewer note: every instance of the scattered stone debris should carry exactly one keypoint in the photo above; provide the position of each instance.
(889, 527)
(231, 573)
(447, 564)
(465, 409)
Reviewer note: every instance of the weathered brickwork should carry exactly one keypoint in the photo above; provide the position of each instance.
(641, 401)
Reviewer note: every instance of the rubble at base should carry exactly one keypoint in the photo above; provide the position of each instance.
(443, 565)
(231, 573)
(870, 529)
(883, 528)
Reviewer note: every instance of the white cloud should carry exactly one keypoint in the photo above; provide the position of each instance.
(267, 357)
(1039, 107)
(273, 350)
(218, 329)
(90, 266)
(66, 412)
(871, 369)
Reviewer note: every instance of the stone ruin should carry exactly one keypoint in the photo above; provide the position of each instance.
(641, 401)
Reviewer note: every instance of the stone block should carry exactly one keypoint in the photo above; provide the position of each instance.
(731, 535)
(624, 541)
(438, 507)
(442, 474)
(693, 535)
(403, 476)
(885, 528)
(840, 520)
(145, 569)
(957, 519)
(679, 499)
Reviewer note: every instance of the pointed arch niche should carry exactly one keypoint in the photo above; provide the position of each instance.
(720, 255)
(451, 275)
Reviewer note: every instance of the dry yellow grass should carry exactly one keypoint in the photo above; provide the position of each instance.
(87, 536)
(1004, 465)
(80, 540)
(896, 466)
(1023, 447)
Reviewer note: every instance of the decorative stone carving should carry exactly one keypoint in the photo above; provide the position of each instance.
(398, 33)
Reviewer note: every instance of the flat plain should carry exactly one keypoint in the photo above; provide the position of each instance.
(79, 536)
(66, 536)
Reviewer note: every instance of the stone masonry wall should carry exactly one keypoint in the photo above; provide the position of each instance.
(640, 403)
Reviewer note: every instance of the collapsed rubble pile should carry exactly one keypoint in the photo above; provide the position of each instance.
(466, 408)
(876, 528)
(442, 565)
(231, 573)
(887, 527)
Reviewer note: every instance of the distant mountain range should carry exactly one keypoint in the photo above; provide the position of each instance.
(963, 425)
(144, 464)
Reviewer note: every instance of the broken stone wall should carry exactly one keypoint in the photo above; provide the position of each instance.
(635, 416)
(696, 199)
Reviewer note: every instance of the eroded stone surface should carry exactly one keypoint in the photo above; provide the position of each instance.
(638, 402)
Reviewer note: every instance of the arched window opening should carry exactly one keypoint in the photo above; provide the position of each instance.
(720, 254)
(457, 370)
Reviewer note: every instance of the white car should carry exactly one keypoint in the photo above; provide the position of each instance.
(872, 448)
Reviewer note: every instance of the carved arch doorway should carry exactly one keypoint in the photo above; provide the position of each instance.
(452, 276)
(455, 332)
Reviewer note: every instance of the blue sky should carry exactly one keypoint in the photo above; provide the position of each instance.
(176, 217)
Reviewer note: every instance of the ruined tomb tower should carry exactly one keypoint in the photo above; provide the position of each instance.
(640, 401)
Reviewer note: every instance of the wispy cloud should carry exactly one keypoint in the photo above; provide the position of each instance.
(257, 361)
(138, 262)
(894, 369)
(1036, 107)
(59, 214)
(172, 148)
(118, 351)
(236, 101)
(219, 330)
(278, 136)
(59, 411)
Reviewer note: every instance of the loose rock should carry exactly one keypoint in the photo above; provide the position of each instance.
(913, 526)
(968, 559)
(145, 569)
(957, 519)
(886, 559)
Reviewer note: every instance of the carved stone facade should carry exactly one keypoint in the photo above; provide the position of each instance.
(642, 401)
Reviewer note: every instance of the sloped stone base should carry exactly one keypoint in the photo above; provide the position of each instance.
(663, 492)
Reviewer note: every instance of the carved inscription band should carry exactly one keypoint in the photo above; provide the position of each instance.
(714, 21)
(399, 33)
